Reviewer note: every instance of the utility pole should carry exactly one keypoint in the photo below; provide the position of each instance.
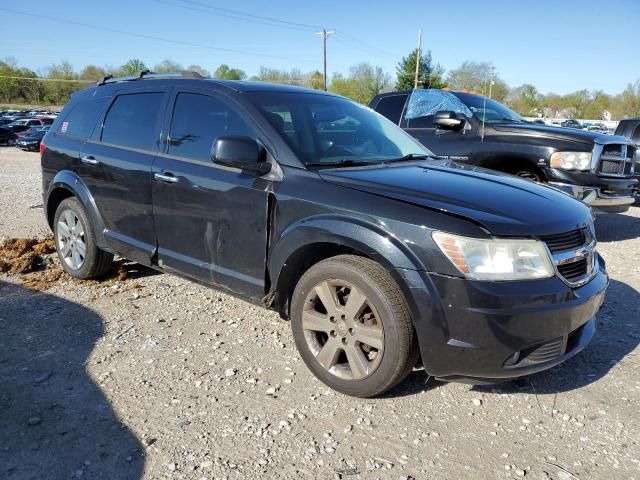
(415, 82)
(325, 34)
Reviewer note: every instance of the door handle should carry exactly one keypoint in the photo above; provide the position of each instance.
(169, 178)
(89, 160)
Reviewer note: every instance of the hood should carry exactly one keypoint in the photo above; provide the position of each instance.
(547, 131)
(504, 205)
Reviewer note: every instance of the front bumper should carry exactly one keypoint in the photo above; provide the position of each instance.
(486, 332)
(608, 195)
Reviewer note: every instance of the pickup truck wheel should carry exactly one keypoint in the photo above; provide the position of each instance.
(75, 242)
(352, 326)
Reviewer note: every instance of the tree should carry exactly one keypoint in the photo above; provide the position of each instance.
(629, 101)
(199, 69)
(430, 76)
(92, 72)
(525, 99)
(60, 91)
(475, 77)
(362, 84)
(223, 72)
(167, 66)
(133, 67)
(316, 80)
(577, 103)
(9, 87)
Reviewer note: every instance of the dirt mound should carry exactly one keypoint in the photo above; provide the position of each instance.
(25, 255)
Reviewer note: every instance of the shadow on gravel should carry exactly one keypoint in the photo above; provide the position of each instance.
(55, 422)
(612, 227)
(618, 335)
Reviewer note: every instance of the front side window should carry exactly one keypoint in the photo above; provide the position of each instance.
(324, 129)
(198, 121)
(131, 121)
(488, 110)
(424, 104)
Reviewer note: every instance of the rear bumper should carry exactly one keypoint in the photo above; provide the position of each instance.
(482, 332)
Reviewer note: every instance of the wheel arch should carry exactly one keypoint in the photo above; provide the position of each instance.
(68, 184)
(293, 254)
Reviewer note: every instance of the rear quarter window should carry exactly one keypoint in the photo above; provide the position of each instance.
(82, 118)
(391, 107)
(132, 120)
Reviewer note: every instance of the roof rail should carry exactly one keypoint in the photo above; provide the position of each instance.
(147, 74)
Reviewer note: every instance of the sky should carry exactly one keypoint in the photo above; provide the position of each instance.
(559, 46)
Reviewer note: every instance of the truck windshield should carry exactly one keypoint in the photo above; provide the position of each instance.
(492, 111)
(331, 130)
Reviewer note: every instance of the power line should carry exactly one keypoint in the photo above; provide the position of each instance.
(152, 37)
(250, 15)
(44, 79)
(207, 9)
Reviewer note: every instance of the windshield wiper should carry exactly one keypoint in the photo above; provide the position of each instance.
(410, 156)
(343, 162)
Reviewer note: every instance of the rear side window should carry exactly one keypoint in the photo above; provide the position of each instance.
(82, 118)
(391, 107)
(198, 120)
(131, 121)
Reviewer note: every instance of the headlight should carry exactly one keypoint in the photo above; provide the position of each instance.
(571, 160)
(496, 259)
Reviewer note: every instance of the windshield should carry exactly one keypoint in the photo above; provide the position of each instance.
(492, 111)
(324, 129)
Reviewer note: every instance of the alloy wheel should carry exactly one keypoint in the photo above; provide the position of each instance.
(71, 240)
(343, 330)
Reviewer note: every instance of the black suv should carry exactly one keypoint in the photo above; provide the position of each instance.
(590, 166)
(319, 208)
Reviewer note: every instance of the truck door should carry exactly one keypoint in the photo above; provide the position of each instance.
(211, 221)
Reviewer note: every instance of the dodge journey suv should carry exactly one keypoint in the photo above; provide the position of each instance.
(312, 205)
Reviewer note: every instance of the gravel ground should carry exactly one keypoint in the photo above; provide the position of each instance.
(154, 377)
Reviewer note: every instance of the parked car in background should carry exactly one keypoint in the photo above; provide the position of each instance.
(23, 125)
(630, 128)
(31, 142)
(7, 137)
(475, 130)
(571, 123)
(307, 203)
(540, 121)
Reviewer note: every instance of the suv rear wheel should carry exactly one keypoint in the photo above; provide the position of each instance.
(75, 242)
(352, 326)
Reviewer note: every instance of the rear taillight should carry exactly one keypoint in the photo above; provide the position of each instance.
(42, 147)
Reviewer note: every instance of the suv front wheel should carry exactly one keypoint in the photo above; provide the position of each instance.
(75, 242)
(352, 326)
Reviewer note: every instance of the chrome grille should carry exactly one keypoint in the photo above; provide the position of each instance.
(574, 271)
(574, 255)
(616, 160)
(564, 241)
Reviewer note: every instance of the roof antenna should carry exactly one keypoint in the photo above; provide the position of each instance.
(484, 98)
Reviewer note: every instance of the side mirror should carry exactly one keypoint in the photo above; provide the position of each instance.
(447, 120)
(240, 152)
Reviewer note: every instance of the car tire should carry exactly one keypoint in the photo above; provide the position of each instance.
(11, 142)
(76, 242)
(361, 344)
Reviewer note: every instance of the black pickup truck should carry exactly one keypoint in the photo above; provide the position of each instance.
(595, 168)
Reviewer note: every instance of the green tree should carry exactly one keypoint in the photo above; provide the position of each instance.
(525, 100)
(476, 77)
(9, 87)
(92, 72)
(429, 76)
(133, 67)
(223, 72)
(629, 101)
(167, 66)
(577, 103)
(316, 80)
(198, 69)
(59, 91)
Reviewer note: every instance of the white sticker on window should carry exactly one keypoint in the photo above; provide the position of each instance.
(65, 126)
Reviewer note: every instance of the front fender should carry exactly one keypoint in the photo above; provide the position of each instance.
(70, 181)
(365, 237)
